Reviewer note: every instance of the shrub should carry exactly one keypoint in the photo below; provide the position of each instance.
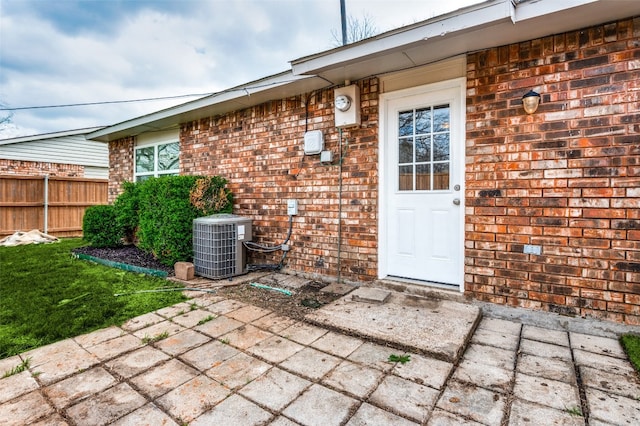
(210, 196)
(159, 212)
(99, 226)
(126, 206)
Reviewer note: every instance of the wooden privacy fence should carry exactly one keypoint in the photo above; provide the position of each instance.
(54, 205)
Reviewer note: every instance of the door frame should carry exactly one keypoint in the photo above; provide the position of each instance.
(385, 183)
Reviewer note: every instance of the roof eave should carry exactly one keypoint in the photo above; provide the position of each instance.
(273, 87)
(42, 136)
(480, 15)
(481, 26)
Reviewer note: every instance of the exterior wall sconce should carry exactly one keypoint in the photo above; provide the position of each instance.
(530, 101)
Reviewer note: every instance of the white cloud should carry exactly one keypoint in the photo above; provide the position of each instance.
(83, 51)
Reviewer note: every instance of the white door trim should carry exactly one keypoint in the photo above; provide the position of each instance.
(384, 181)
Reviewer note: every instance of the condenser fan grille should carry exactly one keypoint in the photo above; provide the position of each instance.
(216, 250)
(217, 245)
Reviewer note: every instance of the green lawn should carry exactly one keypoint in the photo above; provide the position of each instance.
(631, 345)
(47, 295)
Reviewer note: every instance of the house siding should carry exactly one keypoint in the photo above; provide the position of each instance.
(565, 178)
(68, 156)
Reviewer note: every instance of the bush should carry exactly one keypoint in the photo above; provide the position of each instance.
(165, 218)
(166, 211)
(99, 226)
(157, 214)
(126, 206)
(210, 196)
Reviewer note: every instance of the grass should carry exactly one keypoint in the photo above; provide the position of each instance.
(206, 319)
(402, 359)
(18, 368)
(631, 345)
(156, 338)
(574, 411)
(47, 295)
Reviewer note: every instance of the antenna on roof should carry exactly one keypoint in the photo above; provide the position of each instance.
(343, 20)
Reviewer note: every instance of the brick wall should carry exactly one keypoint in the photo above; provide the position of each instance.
(260, 151)
(36, 168)
(566, 178)
(120, 165)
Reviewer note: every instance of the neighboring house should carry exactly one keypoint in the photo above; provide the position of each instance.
(61, 154)
(48, 181)
(438, 177)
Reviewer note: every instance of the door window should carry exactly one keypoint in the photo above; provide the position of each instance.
(424, 148)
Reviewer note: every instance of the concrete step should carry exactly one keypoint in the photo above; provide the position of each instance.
(437, 328)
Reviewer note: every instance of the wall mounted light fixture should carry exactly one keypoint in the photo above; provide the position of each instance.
(530, 101)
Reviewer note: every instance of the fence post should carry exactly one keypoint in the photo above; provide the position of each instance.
(46, 204)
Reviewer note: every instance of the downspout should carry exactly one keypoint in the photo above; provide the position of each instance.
(46, 204)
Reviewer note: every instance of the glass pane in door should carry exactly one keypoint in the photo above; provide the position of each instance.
(424, 148)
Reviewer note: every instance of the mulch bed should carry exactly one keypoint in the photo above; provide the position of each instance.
(131, 255)
(296, 306)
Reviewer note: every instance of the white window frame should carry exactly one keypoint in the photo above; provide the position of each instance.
(155, 141)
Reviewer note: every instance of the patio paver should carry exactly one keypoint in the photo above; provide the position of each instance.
(78, 387)
(405, 398)
(276, 389)
(209, 355)
(147, 415)
(106, 407)
(16, 385)
(311, 363)
(25, 409)
(311, 407)
(243, 413)
(135, 362)
(162, 379)
(249, 366)
(478, 404)
(192, 398)
(238, 370)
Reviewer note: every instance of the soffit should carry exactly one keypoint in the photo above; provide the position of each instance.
(489, 24)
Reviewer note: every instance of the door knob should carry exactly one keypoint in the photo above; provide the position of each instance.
(456, 201)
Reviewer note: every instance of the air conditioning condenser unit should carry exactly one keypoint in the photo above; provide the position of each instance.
(218, 250)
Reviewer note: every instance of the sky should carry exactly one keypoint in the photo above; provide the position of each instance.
(61, 52)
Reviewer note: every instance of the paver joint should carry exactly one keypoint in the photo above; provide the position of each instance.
(227, 362)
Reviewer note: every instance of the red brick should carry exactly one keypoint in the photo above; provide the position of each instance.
(38, 168)
(581, 141)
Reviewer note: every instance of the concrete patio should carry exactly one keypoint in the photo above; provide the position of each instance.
(216, 361)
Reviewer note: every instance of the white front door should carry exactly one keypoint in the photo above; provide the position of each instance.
(423, 197)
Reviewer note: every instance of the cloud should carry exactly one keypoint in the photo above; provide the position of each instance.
(76, 51)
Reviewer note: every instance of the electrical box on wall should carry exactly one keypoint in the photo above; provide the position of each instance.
(313, 142)
(292, 207)
(347, 105)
